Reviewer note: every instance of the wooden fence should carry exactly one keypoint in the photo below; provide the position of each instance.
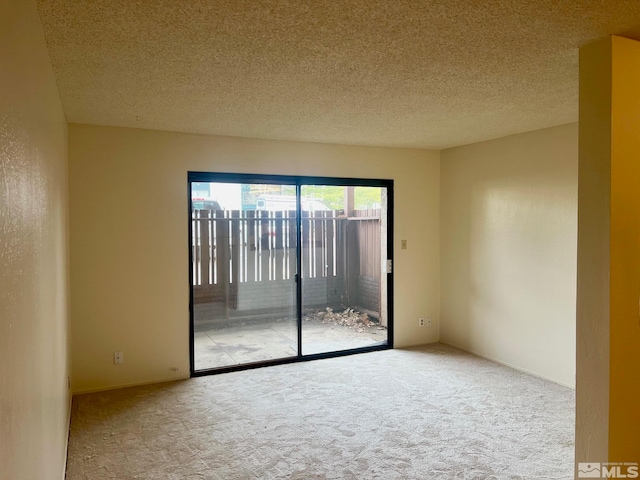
(232, 247)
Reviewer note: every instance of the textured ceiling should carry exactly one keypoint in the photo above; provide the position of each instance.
(429, 73)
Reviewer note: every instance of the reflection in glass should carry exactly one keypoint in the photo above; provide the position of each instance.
(342, 245)
(244, 264)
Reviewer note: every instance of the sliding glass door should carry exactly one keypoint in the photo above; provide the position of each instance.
(243, 274)
(286, 268)
(343, 249)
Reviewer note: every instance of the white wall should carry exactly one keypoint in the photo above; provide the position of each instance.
(594, 247)
(508, 222)
(129, 248)
(608, 333)
(34, 399)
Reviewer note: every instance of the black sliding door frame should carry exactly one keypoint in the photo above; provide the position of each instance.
(298, 182)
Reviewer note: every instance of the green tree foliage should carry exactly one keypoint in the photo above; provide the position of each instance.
(368, 197)
(333, 196)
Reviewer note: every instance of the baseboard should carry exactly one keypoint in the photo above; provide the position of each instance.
(506, 364)
(418, 344)
(66, 443)
(127, 385)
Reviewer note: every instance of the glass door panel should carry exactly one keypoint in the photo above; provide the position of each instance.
(243, 241)
(343, 252)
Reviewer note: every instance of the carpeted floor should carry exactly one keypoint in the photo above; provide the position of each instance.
(426, 413)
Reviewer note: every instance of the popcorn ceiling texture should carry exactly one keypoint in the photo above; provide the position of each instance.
(430, 73)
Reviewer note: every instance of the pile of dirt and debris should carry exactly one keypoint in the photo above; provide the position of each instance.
(350, 317)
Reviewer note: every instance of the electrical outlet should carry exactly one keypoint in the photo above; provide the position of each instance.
(118, 358)
(403, 244)
(421, 322)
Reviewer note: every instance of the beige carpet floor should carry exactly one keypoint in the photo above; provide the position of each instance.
(426, 413)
